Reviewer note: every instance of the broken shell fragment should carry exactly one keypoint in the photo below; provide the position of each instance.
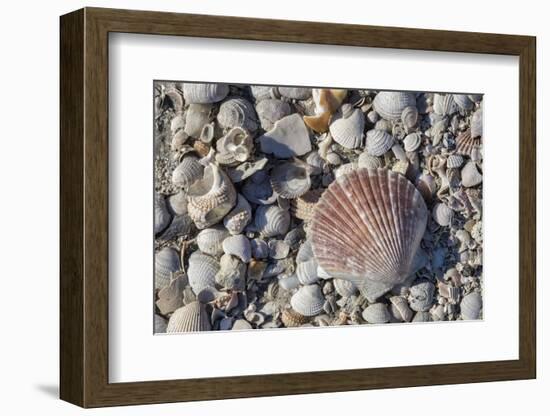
(288, 137)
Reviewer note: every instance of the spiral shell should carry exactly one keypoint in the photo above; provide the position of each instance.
(210, 240)
(463, 101)
(189, 318)
(235, 147)
(167, 261)
(444, 104)
(307, 272)
(390, 105)
(466, 143)
(368, 161)
(378, 142)
(204, 93)
(347, 127)
(187, 172)
(237, 112)
(368, 225)
(270, 110)
(291, 180)
(376, 313)
(308, 300)
(295, 93)
(211, 197)
(442, 214)
(238, 246)
(271, 220)
(344, 288)
(239, 217)
(470, 306)
(412, 142)
(202, 271)
(477, 124)
(470, 175)
(162, 216)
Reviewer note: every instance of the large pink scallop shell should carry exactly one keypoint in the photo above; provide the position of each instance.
(367, 226)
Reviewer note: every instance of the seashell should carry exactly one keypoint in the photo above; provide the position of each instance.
(258, 190)
(409, 117)
(476, 98)
(384, 125)
(177, 124)
(427, 186)
(177, 203)
(368, 225)
(202, 272)
(295, 93)
(412, 142)
(259, 248)
(175, 98)
(390, 105)
(196, 117)
(442, 214)
(211, 197)
(278, 249)
(347, 127)
(246, 170)
(237, 112)
(305, 252)
(239, 217)
(333, 159)
(345, 169)
(189, 318)
(180, 226)
(464, 238)
(210, 240)
(421, 296)
(235, 147)
(422, 316)
(238, 246)
(344, 288)
(295, 237)
(231, 274)
(241, 325)
(477, 124)
(399, 153)
(162, 216)
(159, 326)
(376, 313)
(207, 133)
(307, 272)
(170, 297)
(463, 101)
(470, 306)
(187, 172)
(327, 101)
(315, 162)
(444, 104)
(368, 161)
(470, 175)
(270, 110)
(167, 261)
(261, 92)
(271, 220)
(400, 309)
(378, 142)
(289, 137)
(178, 140)
(466, 143)
(308, 300)
(256, 269)
(291, 180)
(196, 93)
(454, 161)
(292, 319)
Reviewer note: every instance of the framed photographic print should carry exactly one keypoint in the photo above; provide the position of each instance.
(356, 203)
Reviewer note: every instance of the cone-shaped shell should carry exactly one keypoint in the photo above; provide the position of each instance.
(167, 261)
(271, 220)
(204, 93)
(291, 180)
(368, 225)
(202, 271)
(187, 172)
(308, 300)
(347, 127)
(378, 142)
(390, 105)
(238, 112)
(190, 318)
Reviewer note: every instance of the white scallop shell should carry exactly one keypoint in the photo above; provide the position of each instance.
(210, 240)
(400, 309)
(409, 117)
(344, 288)
(238, 246)
(211, 197)
(187, 172)
(412, 142)
(368, 161)
(160, 324)
(162, 216)
(454, 161)
(477, 123)
(307, 272)
(378, 142)
(271, 220)
(295, 93)
(235, 147)
(196, 117)
(239, 217)
(444, 104)
(347, 127)
(167, 261)
(291, 179)
(368, 225)
(463, 101)
(390, 105)
(270, 110)
(470, 175)
(189, 318)
(202, 271)
(204, 93)
(470, 306)
(421, 296)
(308, 300)
(376, 313)
(442, 214)
(237, 112)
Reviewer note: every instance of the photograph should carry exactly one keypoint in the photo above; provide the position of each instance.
(291, 206)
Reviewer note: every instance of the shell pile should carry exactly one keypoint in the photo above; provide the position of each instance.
(302, 207)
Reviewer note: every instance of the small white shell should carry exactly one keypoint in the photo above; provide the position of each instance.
(190, 318)
(196, 117)
(344, 288)
(412, 142)
(368, 161)
(347, 127)
(421, 296)
(454, 161)
(377, 313)
(237, 112)
(162, 216)
(442, 214)
(239, 217)
(167, 261)
(477, 123)
(289, 137)
(308, 300)
(202, 271)
(305, 252)
(235, 147)
(378, 142)
(444, 104)
(271, 220)
(470, 175)
(238, 246)
(291, 180)
(307, 272)
(210, 240)
(409, 117)
(470, 306)
(187, 172)
(390, 105)
(463, 101)
(204, 93)
(270, 110)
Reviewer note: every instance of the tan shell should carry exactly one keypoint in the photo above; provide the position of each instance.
(390, 105)
(292, 319)
(271, 220)
(291, 180)
(308, 300)
(190, 318)
(167, 261)
(444, 104)
(378, 142)
(239, 217)
(466, 143)
(234, 148)
(187, 172)
(347, 127)
(302, 207)
(327, 101)
(368, 225)
(204, 93)
(211, 197)
(237, 112)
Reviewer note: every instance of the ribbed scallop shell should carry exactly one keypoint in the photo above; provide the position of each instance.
(470, 175)
(167, 261)
(477, 123)
(390, 105)
(368, 225)
(270, 110)
(412, 142)
(444, 104)
(463, 101)
(368, 161)
(204, 93)
(271, 220)
(470, 306)
(189, 318)
(377, 313)
(347, 127)
(202, 271)
(237, 112)
(238, 246)
(239, 217)
(211, 197)
(308, 300)
(210, 240)
(378, 142)
(162, 216)
(291, 180)
(296, 93)
(466, 143)
(344, 288)
(442, 214)
(235, 147)
(187, 172)
(307, 272)
(454, 161)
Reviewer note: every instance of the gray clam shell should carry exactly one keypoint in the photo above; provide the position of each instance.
(308, 300)
(390, 105)
(190, 318)
(409, 116)
(238, 246)
(347, 127)
(289, 137)
(470, 306)
(377, 313)
(167, 261)
(162, 216)
(202, 272)
(204, 93)
(177, 203)
(368, 161)
(290, 180)
(271, 220)
(270, 111)
(210, 240)
(237, 112)
(344, 288)
(378, 142)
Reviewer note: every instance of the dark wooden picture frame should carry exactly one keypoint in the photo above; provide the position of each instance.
(84, 207)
